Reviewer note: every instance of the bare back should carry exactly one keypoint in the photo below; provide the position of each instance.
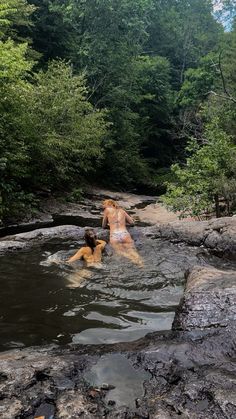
(120, 238)
(88, 255)
(116, 218)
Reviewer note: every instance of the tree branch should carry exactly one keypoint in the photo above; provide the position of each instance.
(226, 97)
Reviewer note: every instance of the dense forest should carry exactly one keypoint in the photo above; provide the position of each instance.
(131, 94)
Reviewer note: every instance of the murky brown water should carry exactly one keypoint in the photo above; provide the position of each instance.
(119, 302)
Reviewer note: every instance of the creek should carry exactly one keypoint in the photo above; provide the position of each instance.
(44, 301)
(86, 314)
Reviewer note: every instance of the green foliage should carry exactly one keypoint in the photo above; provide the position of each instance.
(118, 89)
(198, 82)
(183, 31)
(14, 12)
(75, 195)
(13, 61)
(209, 172)
(53, 136)
(62, 131)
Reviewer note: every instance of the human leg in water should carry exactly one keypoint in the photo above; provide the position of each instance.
(124, 246)
(129, 252)
(78, 278)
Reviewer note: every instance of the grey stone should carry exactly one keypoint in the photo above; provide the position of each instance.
(217, 234)
(209, 299)
(11, 246)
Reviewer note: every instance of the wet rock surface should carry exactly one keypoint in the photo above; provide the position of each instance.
(23, 241)
(192, 376)
(209, 299)
(87, 211)
(189, 372)
(218, 235)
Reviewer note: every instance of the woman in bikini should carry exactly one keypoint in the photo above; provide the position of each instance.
(120, 239)
(92, 252)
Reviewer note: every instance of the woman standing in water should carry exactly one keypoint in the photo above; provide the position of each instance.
(120, 239)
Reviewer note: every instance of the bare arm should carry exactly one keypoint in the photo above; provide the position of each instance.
(129, 219)
(104, 220)
(101, 244)
(97, 254)
(77, 256)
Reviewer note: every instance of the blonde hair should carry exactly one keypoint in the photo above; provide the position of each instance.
(110, 203)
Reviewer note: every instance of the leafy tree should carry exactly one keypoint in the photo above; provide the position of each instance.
(154, 71)
(135, 55)
(51, 36)
(183, 31)
(52, 137)
(63, 133)
(209, 173)
(14, 69)
(14, 14)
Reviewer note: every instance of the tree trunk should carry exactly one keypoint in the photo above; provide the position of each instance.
(217, 206)
(228, 206)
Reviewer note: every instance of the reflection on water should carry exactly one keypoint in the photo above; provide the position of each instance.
(115, 370)
(44, 300)
(130, 330)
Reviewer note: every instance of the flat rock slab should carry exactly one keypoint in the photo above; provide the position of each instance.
(209, 299)
(157, 213)
(130, 199)
(64, 231)
(23, 241)
(81, 217)
(11, 246)
(218, 235)
(192, 375)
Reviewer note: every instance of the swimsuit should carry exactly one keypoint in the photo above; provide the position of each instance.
(119, 236)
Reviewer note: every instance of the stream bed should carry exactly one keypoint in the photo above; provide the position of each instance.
(93, 317)
(44, 300)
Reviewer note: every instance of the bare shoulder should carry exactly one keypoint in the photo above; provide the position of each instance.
(106, 211)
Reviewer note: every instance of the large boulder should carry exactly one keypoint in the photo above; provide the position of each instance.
(23, 241)
(43, 234)
(209, 299)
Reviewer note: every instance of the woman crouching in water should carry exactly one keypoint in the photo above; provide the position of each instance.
(120, 239)
(92, 252)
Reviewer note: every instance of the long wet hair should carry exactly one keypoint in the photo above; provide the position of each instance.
(111, 203)
(90, 238)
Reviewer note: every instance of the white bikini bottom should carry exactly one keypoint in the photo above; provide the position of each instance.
(120, 236)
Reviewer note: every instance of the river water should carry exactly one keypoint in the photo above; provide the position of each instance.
(45, 301)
